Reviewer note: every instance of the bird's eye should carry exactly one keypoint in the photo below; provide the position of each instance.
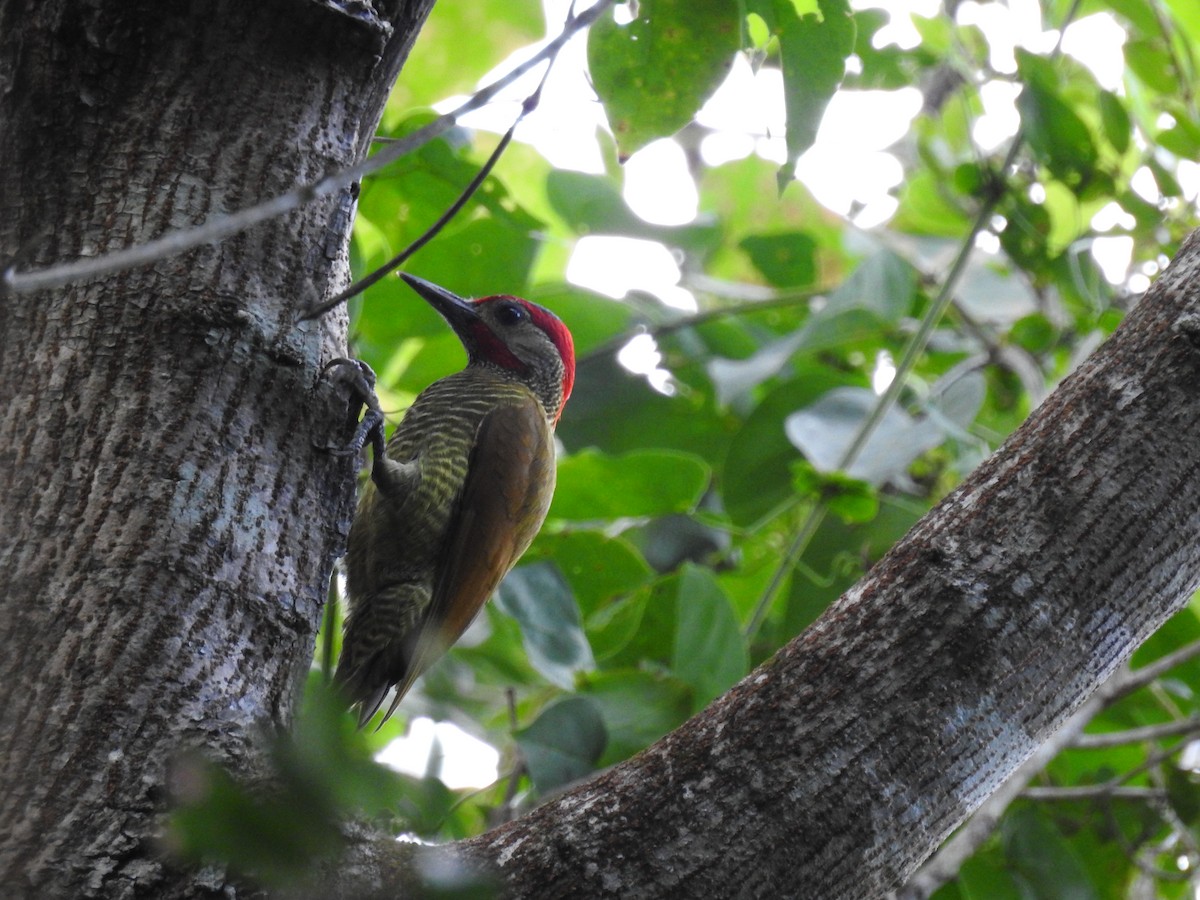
(509, 314)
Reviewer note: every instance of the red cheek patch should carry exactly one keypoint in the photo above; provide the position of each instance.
(494, 350)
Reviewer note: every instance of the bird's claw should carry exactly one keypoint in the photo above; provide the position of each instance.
(355, 374)
(360, 379)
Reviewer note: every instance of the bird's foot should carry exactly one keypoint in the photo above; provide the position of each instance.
(360, 379)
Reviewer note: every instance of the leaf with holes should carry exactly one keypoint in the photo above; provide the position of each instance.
(654, 73)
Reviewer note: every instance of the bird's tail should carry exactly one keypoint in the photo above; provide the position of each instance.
(377, 651)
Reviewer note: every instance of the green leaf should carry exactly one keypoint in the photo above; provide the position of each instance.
(1044, 859)
(670, 541)
(983, 878)
(1054, 130)
(616, 411)
(651, 645)
(275, 839)
(735, 378)
(883, 283)
(637, 708)
(564, 743)
(486, 256)
(1141, 16)
(1034, 332)
(970, 179)
(850, 499)
(1024, 236)
(1187, 16)
(825, 430)
(653, 74)
(734, 193)
(592, 204)
(593, 485)
(317, 775)
(425, 805)
(813, 50)
(613, 627)
(834, 560)
(325, 748)
(500, 661)
(1115, 120)
(883, 68)
(858, 505)
(1184, 794)
(541, 601)
(1182, 628)
(756, 478)
(1151, 63)
(398, 204)
(1164, 178)
(710, 652)
(928, 207)
(844, 322)
(596, 566)
(435, 69)
(1182, 139)
(785, 260)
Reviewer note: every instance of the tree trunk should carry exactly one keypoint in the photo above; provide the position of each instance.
(839, 765)
(166, 527)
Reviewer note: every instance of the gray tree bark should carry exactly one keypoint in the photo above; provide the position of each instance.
(166, 527)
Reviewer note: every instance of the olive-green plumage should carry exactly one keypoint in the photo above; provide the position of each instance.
(460, 493)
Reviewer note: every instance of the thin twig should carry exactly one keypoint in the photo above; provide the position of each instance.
(1103, 791)
(13, 281)
(504, 812)
(1136, 735)
(1141, 677)
(399, 259)
(1150, 762)
(433, 230)
(1134, 854)
(1182, 834)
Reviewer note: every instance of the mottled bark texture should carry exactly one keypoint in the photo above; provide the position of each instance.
(838, 766)
(166, 527)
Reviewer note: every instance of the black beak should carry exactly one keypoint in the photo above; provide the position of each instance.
(459, 313)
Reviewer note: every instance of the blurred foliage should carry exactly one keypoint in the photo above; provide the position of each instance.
(670, 565)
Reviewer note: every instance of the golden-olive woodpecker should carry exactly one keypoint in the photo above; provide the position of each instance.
(458, 495)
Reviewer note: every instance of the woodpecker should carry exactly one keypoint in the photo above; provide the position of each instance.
(457, 496)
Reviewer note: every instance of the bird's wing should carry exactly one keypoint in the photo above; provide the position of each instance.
(503, 502)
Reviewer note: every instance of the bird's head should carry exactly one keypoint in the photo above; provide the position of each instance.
(513, 335)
